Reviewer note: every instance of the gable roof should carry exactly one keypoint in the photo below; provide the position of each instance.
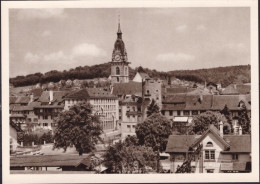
(212, 129)
(130, 88)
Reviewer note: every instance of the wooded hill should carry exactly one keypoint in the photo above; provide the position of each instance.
(223, 75)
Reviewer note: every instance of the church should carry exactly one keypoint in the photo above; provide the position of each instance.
(119, 63)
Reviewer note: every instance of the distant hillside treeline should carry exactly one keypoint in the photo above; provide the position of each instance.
(223, 75)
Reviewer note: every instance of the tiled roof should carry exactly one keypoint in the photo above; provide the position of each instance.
(232, 101)
(178, 90)
(130, 88)
(243, 89)
(233, 143)
(194, 102)
(230, 90)
(177, 106)
(57, 96)
(16, 116)
(22, 99)
(90, 93)
(12, 99)
(37, 92)
(32, 105)
(180, 143)
(49, 161)
(239, 143)
(180, 98)
(20, 108)
(99, 93)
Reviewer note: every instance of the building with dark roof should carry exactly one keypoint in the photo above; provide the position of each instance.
(220, 153)
(51, 163)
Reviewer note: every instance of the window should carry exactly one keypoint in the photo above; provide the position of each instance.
(163, 112)
(235, 156)
(187, 113)
(45, 124)
(209, 154)
(147, 91)
(171, 113)
(194, 112)
(117, 79)
(178, 113)
(209, 144)
(210, 171)
(125, 70)
(128, 126)
(133, 116)
(133, 126)
(45, 117)
(117, 71)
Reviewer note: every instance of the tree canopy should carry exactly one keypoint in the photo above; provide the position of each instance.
(244, 120)
(129, 157)
(78, 127)
(154, 132)
(226, 112)
(202, 121)
(152, 108)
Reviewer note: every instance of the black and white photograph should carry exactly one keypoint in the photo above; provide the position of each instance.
(143, 91)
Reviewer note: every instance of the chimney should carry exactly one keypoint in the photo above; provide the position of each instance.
(240, 130)
(221, 129)
(31, 98)
(51, 96)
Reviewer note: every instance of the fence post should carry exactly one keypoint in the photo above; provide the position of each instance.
(33, 143)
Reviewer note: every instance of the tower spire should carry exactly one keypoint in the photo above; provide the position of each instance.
(119, 29)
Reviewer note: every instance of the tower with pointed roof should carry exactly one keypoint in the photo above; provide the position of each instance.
(119, 63)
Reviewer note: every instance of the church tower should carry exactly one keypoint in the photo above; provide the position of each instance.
(119, 63)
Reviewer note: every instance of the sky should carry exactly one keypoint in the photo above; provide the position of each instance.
(164, 39)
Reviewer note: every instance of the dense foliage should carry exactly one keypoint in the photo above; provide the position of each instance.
(202, 121)
(223, 75)
(244, 120)
(152, 108)
(28, 138)
(154, 132)
(226, 112)
(129, 157)
(78, 127)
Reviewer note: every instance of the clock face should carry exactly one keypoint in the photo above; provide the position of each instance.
(117, 57)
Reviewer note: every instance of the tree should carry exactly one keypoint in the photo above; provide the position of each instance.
(78, 127)
(226, 112)
(244, 120)
(152, 108)
(154, 132)
(129, 157)
(202, 121)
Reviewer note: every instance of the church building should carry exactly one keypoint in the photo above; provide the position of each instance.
(119, 63)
